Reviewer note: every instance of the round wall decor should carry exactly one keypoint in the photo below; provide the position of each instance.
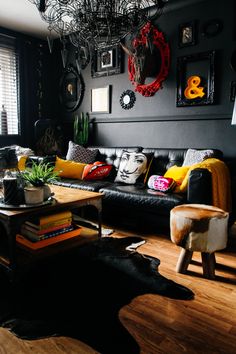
(127, 99)
(212, 28)
(71, 89)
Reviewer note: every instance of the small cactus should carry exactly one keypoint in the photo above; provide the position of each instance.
(81, 129)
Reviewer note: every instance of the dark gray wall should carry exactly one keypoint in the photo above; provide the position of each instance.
(156, 121)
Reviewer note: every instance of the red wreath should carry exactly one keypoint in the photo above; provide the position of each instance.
(158, 40)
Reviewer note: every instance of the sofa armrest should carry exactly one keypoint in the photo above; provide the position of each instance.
(199, 187)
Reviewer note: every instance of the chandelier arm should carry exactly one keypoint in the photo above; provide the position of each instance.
(98, 22)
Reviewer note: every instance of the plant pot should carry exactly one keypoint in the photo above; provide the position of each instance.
(34, 195)
(46, 192)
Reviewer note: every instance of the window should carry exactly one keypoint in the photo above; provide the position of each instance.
(9, 102)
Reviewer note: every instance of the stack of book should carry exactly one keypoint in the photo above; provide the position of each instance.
(47, 229)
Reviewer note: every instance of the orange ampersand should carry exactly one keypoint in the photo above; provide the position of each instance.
(193, 90)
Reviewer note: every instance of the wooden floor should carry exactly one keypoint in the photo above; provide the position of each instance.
(206, 324)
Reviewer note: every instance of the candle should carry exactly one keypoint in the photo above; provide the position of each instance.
(10, 190)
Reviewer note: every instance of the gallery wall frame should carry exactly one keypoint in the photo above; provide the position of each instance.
(107, 61)
(187, 34)
(71, 88)
(202, 65)
(101, 100)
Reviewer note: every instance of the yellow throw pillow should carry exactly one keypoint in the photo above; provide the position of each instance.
(178, 174)
(21, 162)
(69, 169)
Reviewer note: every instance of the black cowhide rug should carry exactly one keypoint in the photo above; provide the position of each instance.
(80, 294)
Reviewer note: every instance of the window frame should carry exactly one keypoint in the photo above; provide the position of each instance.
(10, 43)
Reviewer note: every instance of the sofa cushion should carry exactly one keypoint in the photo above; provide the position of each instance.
(97, 170)
(92, 186)
(164, 159)
(81, 154)
(195, 156)
(138, 197)
(69, 169)
(178, 173)
(161, 183)
(22, 162)
(133, 166)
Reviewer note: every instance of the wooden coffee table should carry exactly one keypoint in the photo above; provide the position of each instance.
(12, 219)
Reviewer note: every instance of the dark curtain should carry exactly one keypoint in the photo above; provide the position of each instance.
(36, 87)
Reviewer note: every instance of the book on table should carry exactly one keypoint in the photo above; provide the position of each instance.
(53, 227)
(47, 221)
(34, 236)
(36, 245)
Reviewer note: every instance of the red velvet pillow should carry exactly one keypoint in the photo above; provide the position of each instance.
(97, 170)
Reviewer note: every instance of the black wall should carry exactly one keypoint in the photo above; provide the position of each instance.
(156, 121)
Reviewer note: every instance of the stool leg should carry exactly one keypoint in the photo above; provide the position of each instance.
(183, 261)
(208, 265)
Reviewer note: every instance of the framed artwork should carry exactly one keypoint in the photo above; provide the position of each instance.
(107, 61)
(187, 34)
(100, 99)
(71, 89)
(196, 79)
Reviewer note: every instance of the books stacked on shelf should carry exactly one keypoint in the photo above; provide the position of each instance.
(48, 229)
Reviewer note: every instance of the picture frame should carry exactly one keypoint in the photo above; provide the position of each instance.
(201, 65)
(71, 89)
(187, 34)
(100, 99)
(107, 61)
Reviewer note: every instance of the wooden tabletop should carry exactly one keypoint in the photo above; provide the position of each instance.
(63, 196)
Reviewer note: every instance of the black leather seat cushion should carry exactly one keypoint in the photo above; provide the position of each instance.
(92, 186)
(139, 197)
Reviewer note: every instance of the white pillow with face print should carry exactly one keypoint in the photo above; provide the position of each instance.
(132, 165)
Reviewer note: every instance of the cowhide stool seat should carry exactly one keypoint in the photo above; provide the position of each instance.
(201, 228)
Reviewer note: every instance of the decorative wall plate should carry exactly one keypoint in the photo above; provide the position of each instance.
(127, 99)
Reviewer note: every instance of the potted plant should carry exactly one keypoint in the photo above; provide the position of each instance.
(37, 178)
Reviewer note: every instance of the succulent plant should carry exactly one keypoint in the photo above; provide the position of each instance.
(81, 129)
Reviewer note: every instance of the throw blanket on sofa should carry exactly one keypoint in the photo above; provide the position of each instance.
(220, 182)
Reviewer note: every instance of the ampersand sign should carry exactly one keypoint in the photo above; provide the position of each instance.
(193, 90)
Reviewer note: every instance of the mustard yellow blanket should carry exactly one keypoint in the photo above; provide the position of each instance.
(221, 182)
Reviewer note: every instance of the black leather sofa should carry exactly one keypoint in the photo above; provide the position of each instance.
(136, 205)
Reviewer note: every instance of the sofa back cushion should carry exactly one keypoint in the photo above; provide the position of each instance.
(78, 153)
(163, 159)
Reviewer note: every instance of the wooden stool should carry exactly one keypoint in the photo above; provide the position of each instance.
(201, 228)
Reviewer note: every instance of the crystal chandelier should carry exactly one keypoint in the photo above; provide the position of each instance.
(97, 23)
